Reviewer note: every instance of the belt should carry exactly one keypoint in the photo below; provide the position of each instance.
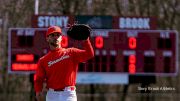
(69, 88)
(59, 89)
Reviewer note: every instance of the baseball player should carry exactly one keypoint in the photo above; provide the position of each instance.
(58, 68)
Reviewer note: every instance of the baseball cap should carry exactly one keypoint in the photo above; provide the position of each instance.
(53, 29)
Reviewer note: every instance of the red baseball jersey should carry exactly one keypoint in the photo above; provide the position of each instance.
(59, 67)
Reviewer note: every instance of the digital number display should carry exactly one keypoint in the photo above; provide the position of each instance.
(137, 52)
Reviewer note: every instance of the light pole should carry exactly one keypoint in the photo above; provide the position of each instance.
(89, 6)
(36, 9)
(1, 47)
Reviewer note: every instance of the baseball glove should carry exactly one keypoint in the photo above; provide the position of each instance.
(79, 31)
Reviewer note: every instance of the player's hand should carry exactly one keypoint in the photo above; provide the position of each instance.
(39, 96)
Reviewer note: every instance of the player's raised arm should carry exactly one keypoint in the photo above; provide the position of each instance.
(81, 33)
(85, 53)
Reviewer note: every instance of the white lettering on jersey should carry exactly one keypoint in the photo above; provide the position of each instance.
(50, 63)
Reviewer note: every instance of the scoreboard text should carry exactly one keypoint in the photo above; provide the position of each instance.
(136, 52)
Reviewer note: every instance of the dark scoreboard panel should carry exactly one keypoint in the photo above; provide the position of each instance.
(138, 52)
(134, 52)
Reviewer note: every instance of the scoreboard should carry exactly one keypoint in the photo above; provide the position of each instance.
(135, 52)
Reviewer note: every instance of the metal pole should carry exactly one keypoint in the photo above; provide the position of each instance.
(36, 7)
(89, 6)
(1, 47)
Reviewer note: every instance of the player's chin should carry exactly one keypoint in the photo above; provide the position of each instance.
(55, 44)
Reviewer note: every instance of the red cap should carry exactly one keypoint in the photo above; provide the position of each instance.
(53, 29)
